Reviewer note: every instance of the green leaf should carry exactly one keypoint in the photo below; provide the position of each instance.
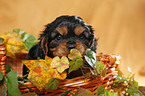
(100, 91)
(8, 68)
(52, 84)
(12, 84)
(132, 90)
(90, 62)
(107, 93)
(91, 54)
(104, 71)
(133, 82)
(75, 64)
(90, 57)
(137, 94)
(83, 92)
(1, 75)
(120, 79)
(29, 38)
(99, 67)
(29, 44)
(19, 31)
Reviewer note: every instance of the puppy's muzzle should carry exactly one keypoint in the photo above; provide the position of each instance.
(71, 44)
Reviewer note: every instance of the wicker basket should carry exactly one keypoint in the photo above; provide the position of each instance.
(82, 81)
(68, 84)
(3, 56)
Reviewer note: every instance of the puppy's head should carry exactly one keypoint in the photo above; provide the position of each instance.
(66, 33)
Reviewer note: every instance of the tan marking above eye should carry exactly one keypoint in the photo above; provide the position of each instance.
(79, 29)
(86, 34)
(53, 34)
(60, 50)
(62, 30)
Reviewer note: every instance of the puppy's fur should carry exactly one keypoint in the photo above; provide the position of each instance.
(62, 35)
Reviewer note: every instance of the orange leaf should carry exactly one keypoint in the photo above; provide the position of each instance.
(41, 73)
(14, 43)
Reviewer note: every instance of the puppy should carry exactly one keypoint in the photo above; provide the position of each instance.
(62, 35)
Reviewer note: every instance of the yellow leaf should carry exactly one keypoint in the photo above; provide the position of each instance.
(60, 64)
(13, 43)
(41, 73)
(57, 75)
(74, 53)
(39, 81)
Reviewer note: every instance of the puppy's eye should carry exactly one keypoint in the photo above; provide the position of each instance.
(82, 36)
(58, 37)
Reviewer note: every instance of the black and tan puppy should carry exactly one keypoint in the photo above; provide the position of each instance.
(62, 35)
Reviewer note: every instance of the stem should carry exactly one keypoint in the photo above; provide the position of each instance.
(66, 91)
(28, 87)
(82, 71)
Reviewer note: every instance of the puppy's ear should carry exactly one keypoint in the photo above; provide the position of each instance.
(93, 40)
(43, 45)
(93, 43)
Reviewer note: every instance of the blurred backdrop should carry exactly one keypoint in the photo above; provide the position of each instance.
(119, 24)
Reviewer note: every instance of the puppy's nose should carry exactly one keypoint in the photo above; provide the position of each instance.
(71, 46)
(71, 43)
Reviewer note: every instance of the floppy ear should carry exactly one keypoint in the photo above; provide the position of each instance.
(43, 45)
(93, 43)
(93, 40)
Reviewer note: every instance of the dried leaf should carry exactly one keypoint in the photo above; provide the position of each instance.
(60, 64)
(14, 43)
(40, 72)
(74, 53)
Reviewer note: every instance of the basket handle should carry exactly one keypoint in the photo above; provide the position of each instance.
(2, 56)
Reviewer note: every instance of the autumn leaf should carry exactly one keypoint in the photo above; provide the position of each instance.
(60, 64)
(14, 43)
(74, 53)
(40, 72)
(18, 41)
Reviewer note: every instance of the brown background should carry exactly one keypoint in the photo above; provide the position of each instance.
(119, 24)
